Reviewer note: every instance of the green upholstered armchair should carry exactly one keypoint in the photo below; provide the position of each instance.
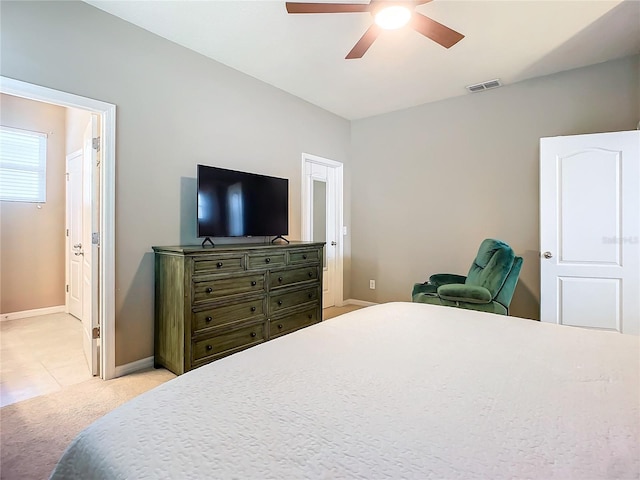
(488, 286)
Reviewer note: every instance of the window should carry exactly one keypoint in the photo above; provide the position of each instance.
(23, 162)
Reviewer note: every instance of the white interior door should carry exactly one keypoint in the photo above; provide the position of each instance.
(589, 231)
(322, 217)
(74, 235)
(89, 250)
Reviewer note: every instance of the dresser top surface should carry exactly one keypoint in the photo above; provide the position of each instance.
(221, 248)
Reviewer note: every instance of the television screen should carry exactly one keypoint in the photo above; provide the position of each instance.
(239, 204)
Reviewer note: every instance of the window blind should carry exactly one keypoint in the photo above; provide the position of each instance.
(23, 162)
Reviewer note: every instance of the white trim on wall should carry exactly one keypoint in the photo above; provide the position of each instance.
(363, 303)
(107, 112)
(32, 313)
(132, 367)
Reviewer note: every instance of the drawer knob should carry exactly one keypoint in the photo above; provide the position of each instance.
(310, 315)
(209, 290)
(279, 302)
(280, 279)
(208, 319)
(268, 260)
(310, 295)
(219, 265)
(253, 283)
(311, 274)
(209, 347)
(280, 325)
(253, 309)
(304, 257)
(253, 334)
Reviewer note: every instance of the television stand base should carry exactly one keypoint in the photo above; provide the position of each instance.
(279, 236)
(204, 242)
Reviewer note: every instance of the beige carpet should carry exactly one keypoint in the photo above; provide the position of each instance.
(35, 432)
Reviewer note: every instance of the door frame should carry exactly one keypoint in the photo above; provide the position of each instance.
(306, 216)
(106, 257)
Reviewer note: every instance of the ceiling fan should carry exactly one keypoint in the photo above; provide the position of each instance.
(387, 15)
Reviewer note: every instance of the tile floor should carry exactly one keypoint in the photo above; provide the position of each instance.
(43, 354)
(40, 355)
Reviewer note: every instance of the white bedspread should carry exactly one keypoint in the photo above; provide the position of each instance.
(399, 390)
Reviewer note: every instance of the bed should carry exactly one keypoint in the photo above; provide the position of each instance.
(397, 390)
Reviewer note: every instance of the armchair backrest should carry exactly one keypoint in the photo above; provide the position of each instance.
(506, 292)
(492, 266)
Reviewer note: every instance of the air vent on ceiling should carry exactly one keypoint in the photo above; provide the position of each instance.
(479, 87)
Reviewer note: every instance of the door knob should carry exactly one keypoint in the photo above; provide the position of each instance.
(547, 254)
(333, 244)
(77, 245)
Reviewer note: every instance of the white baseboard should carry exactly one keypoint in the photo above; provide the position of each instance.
(31, 313)
(128, 368)
(353, 301)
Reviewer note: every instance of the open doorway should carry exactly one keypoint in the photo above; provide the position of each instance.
(40, 343)
(102, 237)
(322, 217)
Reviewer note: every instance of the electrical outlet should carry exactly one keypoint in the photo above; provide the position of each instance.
(372, 284)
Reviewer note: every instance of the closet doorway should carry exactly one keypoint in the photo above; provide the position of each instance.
(322, 217)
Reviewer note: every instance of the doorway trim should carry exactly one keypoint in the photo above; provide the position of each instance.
(106, 257)
(306, 217)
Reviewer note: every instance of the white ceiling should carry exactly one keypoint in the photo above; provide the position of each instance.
(304, 54)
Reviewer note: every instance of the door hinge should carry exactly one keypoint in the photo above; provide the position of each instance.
(67, 287)
(95, 333)
(95, 143)
(95, 238)
(67, 232)
(67, 175)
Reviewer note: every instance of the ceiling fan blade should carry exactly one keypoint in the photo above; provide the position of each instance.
(364, 43)
(434, 30)
(296, 7)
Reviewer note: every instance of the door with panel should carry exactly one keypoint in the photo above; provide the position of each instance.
(74, 234)
(589, 231)
(321, 220)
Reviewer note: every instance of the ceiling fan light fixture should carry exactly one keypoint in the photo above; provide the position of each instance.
(393, 17)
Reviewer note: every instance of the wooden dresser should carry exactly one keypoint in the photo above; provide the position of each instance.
(214, 301)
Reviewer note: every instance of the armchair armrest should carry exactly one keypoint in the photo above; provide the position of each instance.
(464, 293)
(446, 279)
(423, 288)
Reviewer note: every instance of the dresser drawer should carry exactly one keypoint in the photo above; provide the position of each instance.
(205, 290)
(305, 256)
(293, 322)
(288, 277)
(280, 301)
(214, 317)
(218, 264)
(266, 260)
(218, 344)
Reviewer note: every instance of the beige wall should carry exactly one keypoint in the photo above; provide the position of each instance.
(32, 235)
(175, 109)
(429, 183)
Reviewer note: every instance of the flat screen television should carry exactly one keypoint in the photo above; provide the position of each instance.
(240, 204)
